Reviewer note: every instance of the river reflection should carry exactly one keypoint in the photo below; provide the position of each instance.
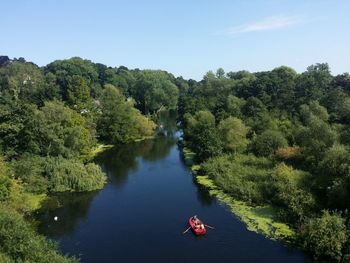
(118, 162)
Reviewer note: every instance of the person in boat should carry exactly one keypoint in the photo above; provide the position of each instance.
(195, 220)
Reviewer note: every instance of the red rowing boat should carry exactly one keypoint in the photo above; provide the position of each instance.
(198, 228)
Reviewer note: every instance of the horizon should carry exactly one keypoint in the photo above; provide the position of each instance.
(185, 39)
(176, 76)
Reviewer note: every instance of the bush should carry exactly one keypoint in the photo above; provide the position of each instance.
(5, 181)
(245, 177)
(326, 236)
(233, 134)
(288, 190)
(19, 241)
(30, 170)
(268, 142)
(69, 175)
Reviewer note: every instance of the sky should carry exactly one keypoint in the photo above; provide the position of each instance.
(185, 37)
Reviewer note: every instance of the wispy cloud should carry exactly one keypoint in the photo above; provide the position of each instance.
(269, 23)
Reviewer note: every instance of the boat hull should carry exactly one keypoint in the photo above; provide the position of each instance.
(197, 231)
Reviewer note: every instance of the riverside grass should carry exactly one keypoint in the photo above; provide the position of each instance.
(258, 219)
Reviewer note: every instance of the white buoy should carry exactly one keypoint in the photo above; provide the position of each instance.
(55, 218)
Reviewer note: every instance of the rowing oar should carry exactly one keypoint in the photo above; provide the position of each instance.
(209, 226)
(186, 230)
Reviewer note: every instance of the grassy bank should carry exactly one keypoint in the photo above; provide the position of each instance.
(99, 149)
(259, 219)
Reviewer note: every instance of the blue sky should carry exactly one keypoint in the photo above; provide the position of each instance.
(184, 37)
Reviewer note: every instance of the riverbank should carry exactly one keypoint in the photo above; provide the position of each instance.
(259, 219)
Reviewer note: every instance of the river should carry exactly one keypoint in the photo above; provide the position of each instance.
(142, 211)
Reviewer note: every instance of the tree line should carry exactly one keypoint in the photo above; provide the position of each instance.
(279, 138)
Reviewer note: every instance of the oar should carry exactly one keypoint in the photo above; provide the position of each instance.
(209, 226)
(186, 230)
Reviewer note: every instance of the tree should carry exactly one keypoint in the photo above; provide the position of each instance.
(220, 73)
(334, 179)
(253, 107)
(233, 132)
(268, 142)
(289, 191)
(282, 88)
(78, 93)
(315, 146)
(153, 90)
(56, 130)
(205, 142)
(234, 106)
(326, 236)
(342, 81)
(120, 122)
(313, 111)
(5, 181)
(314, 83)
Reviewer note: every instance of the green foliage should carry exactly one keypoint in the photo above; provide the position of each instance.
(244, 177)
(313, 110)
(315, 146)
(234, 106)
(19, 241)
(268, 142)
(289, 190)
(205, 140)
(334, 180)
(69, 175)
(314, 83)
(120, 122)
(29, 169)
(326, 236)
(5, 181)
(154, 90)
(57, 130)
(13, 118)
(78, 94)
(233, 134)
(22, 80)
(253, 107)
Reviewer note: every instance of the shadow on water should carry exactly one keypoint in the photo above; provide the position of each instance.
(69, 208)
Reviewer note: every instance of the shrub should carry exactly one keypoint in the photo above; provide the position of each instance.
(5, 181)
(72, 175)
(268, 142)
(326, 236)
(233, 134)
(30, 170)
(245, 177)
(288, 190)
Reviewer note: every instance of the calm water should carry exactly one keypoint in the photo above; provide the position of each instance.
(141, 213)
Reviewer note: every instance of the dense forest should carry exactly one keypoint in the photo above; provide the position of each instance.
(277, 137)
(52, 121)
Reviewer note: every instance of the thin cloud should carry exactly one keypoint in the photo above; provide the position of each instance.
(269, 23)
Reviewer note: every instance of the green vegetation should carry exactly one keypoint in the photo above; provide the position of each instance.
(20, 243)
(276, 140)
(53, 120)
(273, 145)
